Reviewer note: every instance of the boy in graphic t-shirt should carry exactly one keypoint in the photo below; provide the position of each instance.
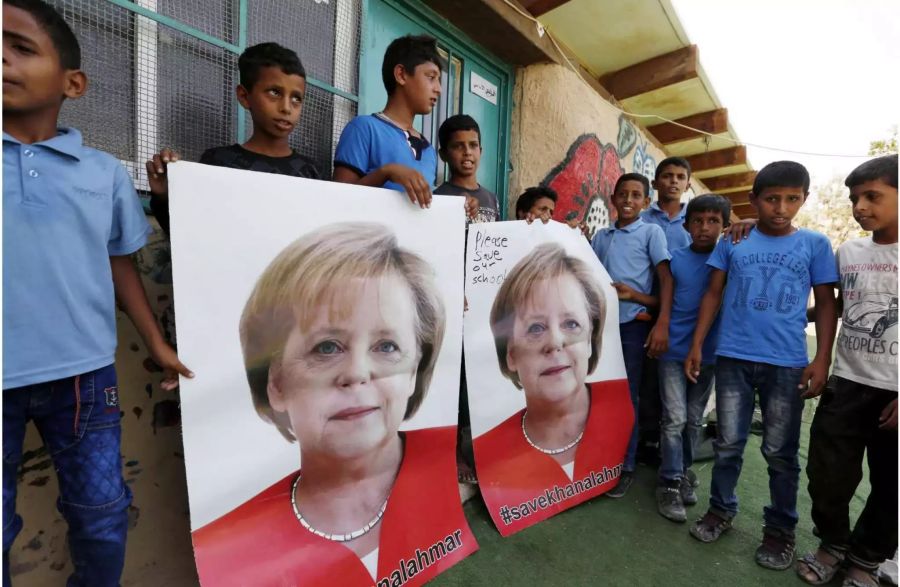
(769, 277)
(857, 413)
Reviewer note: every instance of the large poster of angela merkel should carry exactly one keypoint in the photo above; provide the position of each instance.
(548, 395)
(324, 324)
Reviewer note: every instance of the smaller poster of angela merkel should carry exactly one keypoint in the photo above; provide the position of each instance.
(548, 396)
(324, 325)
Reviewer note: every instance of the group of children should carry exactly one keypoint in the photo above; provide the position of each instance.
(734, 311)
(72, 219)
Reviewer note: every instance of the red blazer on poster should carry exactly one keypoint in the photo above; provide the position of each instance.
(522, 486)
(423, 531)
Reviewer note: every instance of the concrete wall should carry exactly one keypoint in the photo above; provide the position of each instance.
(565, 135)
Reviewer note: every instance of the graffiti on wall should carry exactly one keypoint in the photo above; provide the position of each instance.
(627, 137)
(584, 181)
(644, 163)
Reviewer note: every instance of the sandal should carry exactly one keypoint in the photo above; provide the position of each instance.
(824, 572)
(853, 582)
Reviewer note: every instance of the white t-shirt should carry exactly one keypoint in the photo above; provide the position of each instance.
(867, 342)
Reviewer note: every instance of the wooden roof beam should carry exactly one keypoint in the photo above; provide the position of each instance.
(739, 198)
(730, 183)
(540, 7)
(715, 159)
(713, 122)
(653, 74)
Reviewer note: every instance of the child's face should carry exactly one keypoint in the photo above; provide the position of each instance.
(462, 153)
(422, 86)
(275, 102)
(672, 183)
(874, 205)
(33, 77)
(777, 207)
(705, 228)
(629, 200)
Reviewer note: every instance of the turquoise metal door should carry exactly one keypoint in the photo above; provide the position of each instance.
(489, 103)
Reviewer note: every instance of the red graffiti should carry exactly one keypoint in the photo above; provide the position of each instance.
(585, 177)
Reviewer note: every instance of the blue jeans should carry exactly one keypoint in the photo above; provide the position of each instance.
(683, 403)
(78, 420)
(782, 407)
(634, 335)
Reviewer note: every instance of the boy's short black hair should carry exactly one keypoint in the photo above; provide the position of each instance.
(676, 161)
(409, 51)
(709, 203)
(883, 168)
(532, 195)
(64, 40)
(781, 174)
(456, 123)
(633, 177)
(267, 55)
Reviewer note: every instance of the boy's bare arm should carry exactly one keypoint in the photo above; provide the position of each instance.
(417, 188)
(816, 373)
(133, 300)
(658, 341)
(709, 307)
(838, 302)
(629, 294)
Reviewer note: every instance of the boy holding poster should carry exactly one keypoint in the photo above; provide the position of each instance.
(71, 221)
(384, 149)
(272, 89)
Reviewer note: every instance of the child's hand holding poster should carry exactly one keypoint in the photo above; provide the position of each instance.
(548, 397)
(320, 430)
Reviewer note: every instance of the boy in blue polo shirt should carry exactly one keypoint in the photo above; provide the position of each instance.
(683, 402)
(383, 149)
(673, 178)
(71, 220)
(769, 277)
(631, 251)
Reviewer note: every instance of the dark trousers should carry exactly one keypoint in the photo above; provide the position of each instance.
(633, 335)
(845, 428)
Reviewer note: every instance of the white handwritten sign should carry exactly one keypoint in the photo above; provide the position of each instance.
(481, 87)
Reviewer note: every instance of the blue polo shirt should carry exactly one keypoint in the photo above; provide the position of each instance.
(677, 235)
(66, 209)
(691, 276)
(630, 256)
(368, 142)
(764, 307)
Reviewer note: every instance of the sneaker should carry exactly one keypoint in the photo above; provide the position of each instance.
(710, 527)
(668, 502)
(776, 551)
(622, 486)
(686, 489)
(692, 477)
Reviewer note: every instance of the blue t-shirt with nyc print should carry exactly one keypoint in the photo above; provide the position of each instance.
(763, 314)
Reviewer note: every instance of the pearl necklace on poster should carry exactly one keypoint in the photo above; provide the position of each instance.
(549, 451)
(334, 537)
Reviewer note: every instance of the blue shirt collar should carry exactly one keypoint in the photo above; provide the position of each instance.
(630, 228)
(655, 209)
(67, 141)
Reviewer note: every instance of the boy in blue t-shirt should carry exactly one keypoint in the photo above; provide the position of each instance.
(383, 149)
(683, 402)
(632, 251)
(770, 275)
(71, 220)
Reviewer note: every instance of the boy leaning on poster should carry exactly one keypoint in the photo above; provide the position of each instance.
(383, 149)
(769, 278)
(71, 220)
(272, 88)
(857, 413)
